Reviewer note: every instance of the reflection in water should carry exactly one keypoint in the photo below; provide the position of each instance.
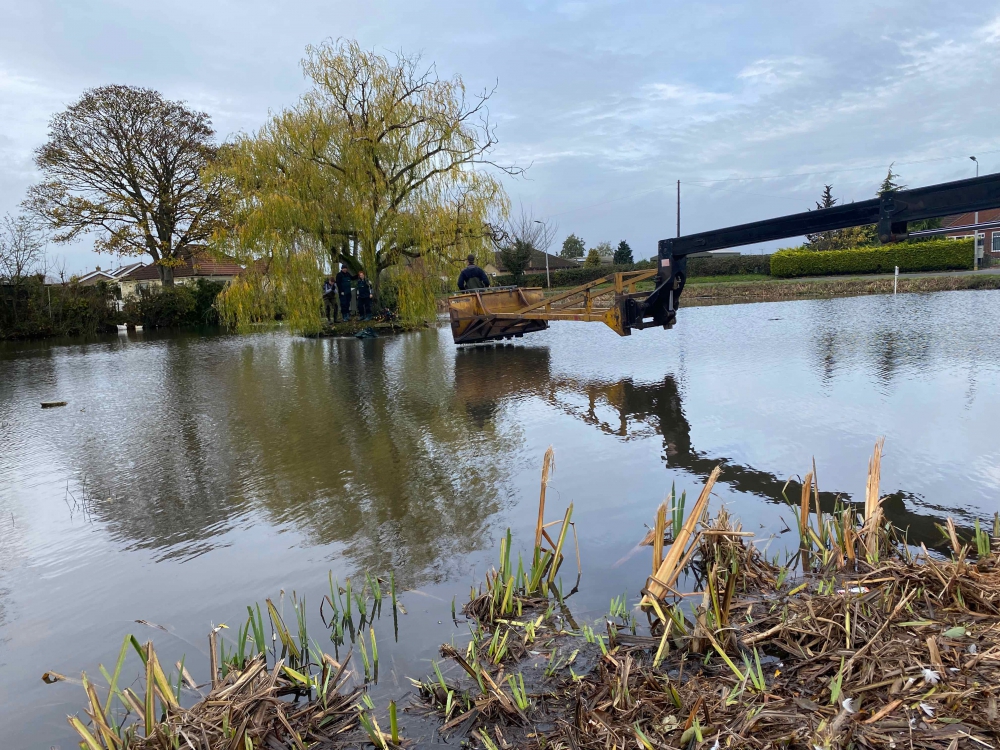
(628, 411)
(360, 444)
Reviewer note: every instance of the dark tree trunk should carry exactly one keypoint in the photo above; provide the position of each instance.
(166, 275)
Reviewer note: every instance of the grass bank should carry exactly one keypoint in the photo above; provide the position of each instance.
(707, 291)
(854, 639)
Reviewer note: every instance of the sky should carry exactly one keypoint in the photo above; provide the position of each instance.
(753, 106)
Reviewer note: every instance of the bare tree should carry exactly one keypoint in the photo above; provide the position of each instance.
(126, 163)
(22, 246)
(531, 230)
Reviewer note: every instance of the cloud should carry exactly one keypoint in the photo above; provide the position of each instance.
(610, 102)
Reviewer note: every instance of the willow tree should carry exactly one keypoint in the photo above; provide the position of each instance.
(382, 164)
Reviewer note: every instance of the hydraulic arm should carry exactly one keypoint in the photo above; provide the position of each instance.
(891, 212)
(492, 314)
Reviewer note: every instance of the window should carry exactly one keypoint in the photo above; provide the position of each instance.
(996, 243)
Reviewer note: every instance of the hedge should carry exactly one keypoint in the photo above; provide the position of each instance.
(31, 309)
(729, 265)
(936, 255)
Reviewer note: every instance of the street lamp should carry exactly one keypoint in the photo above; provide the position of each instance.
(976, 219)
(545, 252)
(977, 164)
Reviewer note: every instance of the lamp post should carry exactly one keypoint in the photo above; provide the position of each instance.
(545, 252)
(977, 164)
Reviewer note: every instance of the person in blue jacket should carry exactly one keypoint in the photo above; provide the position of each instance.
(472, 276)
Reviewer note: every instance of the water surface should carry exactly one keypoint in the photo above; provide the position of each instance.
(191, 475)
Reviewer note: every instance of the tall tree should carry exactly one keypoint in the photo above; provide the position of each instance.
(623, 255)
(889, 184)
(126, 163)
(593, 258)
(573, 247)
(381, 150)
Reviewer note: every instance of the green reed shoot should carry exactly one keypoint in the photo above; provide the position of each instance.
(393, 724)
(437, 671)
(348, 591)
(362, 601)
(518, 692)
(554, 663)
(677, 510)
(300, 615)
(836, 682)
(364, 657)
(754, 671)
(371, 631)
(370, 724)
(257, 625)
(982, 541)
(557, 555)
(453, 617)
(278, 626)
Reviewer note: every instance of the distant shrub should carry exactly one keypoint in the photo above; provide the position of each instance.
(938, 255)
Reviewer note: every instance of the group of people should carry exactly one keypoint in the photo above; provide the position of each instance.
(340, 286)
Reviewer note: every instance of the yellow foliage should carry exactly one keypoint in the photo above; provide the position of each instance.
(379, 165)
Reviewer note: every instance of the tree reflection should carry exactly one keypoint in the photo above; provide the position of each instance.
(362, 445)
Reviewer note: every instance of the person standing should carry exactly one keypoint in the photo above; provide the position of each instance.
(343, 282)
(329, 297)
(472, 276)
(364, 290)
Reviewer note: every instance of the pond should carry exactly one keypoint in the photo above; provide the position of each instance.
(192, 475)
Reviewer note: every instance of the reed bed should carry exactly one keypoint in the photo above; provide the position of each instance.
(857, 641)
(270, 687)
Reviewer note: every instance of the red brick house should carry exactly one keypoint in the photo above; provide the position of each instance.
(988, 240)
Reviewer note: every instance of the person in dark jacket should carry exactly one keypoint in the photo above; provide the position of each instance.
(330, 297)
(343, 282)
(364, 296)
(472, 276)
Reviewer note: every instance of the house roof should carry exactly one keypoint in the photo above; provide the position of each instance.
(95, 276)
(537, 262)
(199, 263)
(991, 214)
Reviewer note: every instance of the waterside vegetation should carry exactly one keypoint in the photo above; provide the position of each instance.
(851, 638)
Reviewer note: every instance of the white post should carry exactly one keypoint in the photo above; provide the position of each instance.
(548, 282)
(895, 280)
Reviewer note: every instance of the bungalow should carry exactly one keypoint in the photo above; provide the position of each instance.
(199, 264)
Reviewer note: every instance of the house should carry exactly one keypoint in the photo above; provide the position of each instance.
(987, 240)
(535, 265)
(199, 264)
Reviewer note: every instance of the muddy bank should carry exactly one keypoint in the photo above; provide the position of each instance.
(368, 328)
